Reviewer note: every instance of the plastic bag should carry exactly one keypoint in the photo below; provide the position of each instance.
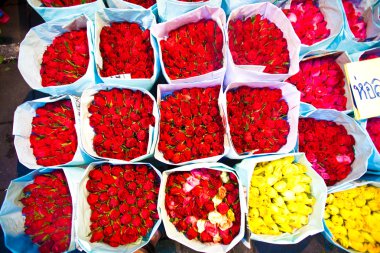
(145, 19)
(164, 90)
(171, 230)
(290, 94)
(87, 132)
(249, 73)
(318, 189)
(22, 129)
(362, 145)
(12, 220)
(161, 31)
(84, 212)
(327, 234)
(51, 13)
(170, 9)
(342, 58)
(34, 45)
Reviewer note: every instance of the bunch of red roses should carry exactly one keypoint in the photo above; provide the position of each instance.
(65, 59)
(307, 21)
(328, 147)
(53, 138)
(123, 202)
(48, 211)
(144, 3)
(64, 3)
(204, 204)
(121, 119)
(193, 49)
(373, 128)
(355, 21)
(369, 56)
(251, 42)
(191, 126)
(257, 119)
(126, 49)
(321, 82)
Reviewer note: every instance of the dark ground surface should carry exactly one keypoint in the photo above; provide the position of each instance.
(14, 91)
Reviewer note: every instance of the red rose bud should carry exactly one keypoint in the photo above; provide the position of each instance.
(222, 208)
(251, 43)
(355, 20)
(65, 59)
(64, 3)
(144, 3)
(373, 128)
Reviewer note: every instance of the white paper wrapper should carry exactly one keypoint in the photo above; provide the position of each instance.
(245, 170)
(12, 220)
(356, 56)
(169, 9)
(22, 129)
(87, 132)
(145, 19)
(290, 94)
(327, 233)
(161, 31)
(362, 145)
(162, 91)
(84, 213)
(34, 45)
(341, 60)
(50, 13)
(249, 73)
(196, 245)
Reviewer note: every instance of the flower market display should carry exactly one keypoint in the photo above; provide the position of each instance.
(352, 217)
(53, 138)
(257, 114)
(123, 202)
(47, 207)
(204, 204)
(308, 21)
(66, 59)
(280, 198)
(250, 44)
(244, 109)
(122, 120)
(193, 49)
(322, 83)
(126, 49)
(328, 147)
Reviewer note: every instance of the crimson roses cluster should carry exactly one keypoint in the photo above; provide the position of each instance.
(257, 119)
(307, 21)
(144, 3)
(355, 21)
(65, 59)
(328, 147)
(48, 212)
(251, 43)
(126, 49)
(321, 83)
(53, 138)
(373, 128)
(193, 49)
(123, 202)
(204, 204)
(64, 3)
(121, 119)
(191, 126)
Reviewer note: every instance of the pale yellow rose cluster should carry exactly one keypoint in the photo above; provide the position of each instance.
(353, 218)
(280, 199)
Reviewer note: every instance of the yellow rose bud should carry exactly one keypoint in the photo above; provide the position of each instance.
(337, 220)
(374, 205)
(359, 246)
(330, 199)
(280, 186)
(359, 201)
